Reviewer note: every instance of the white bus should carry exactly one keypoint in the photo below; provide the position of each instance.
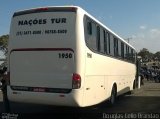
(63, 56)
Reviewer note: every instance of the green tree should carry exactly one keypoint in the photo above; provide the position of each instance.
(3, 47)
(3, 43)
(157, 56)
(145, 54)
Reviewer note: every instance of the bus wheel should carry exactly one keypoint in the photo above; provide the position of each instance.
(113, 95)
(134, 85)
(132, 91)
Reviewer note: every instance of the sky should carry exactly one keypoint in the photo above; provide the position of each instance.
(136, 20)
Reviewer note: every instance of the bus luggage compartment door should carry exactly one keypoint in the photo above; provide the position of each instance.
(51, 69)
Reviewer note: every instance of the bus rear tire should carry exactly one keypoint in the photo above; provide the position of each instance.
(132, 91)
(113, 96)
(134, 85)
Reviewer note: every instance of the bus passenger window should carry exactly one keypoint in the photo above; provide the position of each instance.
(119, 49)
(105, 42)
(122, 49)
(90, 34)
(108, 43)
(89, 28)
(101, 40)
(132, 57)
(111, 45)
(115, 47)
(98, 39)
(125, 51)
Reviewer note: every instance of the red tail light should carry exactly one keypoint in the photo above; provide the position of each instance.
(76, 81)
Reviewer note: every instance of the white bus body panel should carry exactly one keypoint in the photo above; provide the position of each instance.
(102, 72)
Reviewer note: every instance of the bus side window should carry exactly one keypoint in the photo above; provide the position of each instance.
(119, 49)
(101, 40)
(115, 47)
(94, 37)
(98, 39)
(132, 57)
(125, 52)
(111, 45)
(128, 53)
(89, 28)
(122, 50)
(90, 34)
(105, 42)
(108, 43)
